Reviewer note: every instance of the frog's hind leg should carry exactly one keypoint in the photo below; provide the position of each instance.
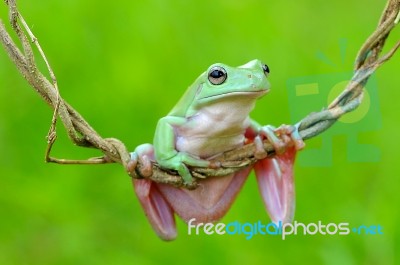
(276, 184)
(275, 175)
(158, 211)
(210, 201)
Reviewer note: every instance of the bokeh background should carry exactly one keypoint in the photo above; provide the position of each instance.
(123, 65)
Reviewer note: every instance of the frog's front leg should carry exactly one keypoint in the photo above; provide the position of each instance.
(165, 151)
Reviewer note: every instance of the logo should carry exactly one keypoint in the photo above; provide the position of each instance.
(283, 230)
(311, 93)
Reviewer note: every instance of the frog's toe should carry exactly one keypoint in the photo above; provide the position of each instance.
(132, 165)
(186, 160)
(270, 133)
(185, 174)
(297, 140)
(299, 144)
(291, 136)
(145, 168)
(260, 152)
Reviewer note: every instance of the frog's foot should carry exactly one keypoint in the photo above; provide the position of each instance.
(180, 163)
(280, 138)
(290, 136)
(141, 161)
(268, 132)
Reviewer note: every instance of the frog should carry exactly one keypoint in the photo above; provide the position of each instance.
(213, 117)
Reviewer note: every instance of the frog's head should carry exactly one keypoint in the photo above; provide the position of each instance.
(242, 85)
(221, 81)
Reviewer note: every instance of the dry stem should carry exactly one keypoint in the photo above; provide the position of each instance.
(82, 134)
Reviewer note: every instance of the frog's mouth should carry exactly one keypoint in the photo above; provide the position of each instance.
(253, 94)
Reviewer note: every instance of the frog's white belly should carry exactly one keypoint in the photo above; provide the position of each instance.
(214, 129)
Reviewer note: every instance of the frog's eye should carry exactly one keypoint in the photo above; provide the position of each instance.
(217, 75)
(265, 69)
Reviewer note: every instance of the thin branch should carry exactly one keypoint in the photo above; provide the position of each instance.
(52, 134)
(82, 134)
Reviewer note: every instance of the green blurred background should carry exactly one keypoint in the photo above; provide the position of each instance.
(123, 65)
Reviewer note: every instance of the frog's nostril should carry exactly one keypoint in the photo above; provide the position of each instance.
(249, 76)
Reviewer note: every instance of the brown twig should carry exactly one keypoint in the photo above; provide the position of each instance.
(82, 134)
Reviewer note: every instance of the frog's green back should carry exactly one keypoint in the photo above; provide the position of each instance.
(180, 109)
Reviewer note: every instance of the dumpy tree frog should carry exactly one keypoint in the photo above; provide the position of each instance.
(212, 117)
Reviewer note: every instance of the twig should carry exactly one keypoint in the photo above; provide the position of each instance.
(52, 134)
(82, 134)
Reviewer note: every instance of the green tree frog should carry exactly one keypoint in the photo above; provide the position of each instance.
(212, 117)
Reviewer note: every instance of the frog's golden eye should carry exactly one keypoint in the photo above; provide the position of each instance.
(217, 75)
(265, 69)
